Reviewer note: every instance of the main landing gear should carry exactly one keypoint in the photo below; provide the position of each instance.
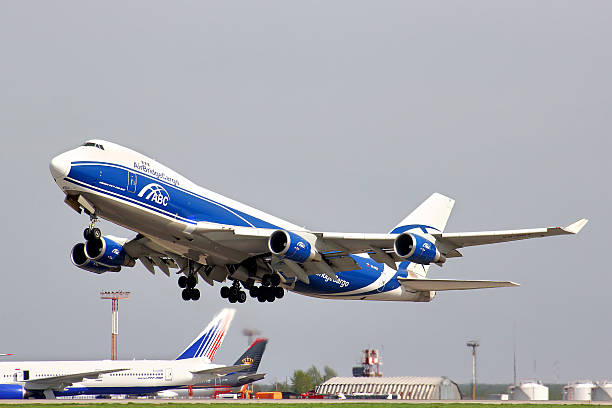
(188, 283)
(269, 290)
(233, 293)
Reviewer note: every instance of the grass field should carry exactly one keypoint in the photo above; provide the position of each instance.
(260, 404)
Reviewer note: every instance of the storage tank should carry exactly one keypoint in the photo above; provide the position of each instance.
(602, 391)
(528, 390)
(578, 391)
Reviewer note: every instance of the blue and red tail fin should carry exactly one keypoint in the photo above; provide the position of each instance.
(253, 356)
(209, 340)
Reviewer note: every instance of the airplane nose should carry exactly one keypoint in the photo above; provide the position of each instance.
(59, 167)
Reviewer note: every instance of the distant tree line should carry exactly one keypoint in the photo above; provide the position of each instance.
(301, 380)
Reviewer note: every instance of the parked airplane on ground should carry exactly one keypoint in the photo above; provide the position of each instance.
(228, 383)
(50, 379)
(213, 238)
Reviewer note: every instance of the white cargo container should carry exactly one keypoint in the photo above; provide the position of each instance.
(528, 390)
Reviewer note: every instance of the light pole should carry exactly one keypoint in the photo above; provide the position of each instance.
(473, 344)
(114, 297)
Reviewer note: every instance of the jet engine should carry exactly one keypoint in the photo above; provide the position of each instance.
(415, 248)
(12, 391)
(79, 258)
(107, 251)
(291, 246)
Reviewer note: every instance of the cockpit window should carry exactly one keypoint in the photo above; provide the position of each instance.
(99, 146)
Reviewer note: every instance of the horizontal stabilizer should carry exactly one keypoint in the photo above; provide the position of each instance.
(249, 378)
(223, 370)
(451, 284)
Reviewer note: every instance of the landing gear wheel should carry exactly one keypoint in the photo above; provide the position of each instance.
(275, 280)
(95, 233)
(182, 281)
(186, 294)
(233, 292)
(270, 295)
(261, 296)
(86, 233)
(191, 281)
(241, 296)
(233, 299)
(266, 280)
(279, 292)
(195, 294)
(254, 291)
(225, 292)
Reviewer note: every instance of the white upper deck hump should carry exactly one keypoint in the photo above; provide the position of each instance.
(111, 152)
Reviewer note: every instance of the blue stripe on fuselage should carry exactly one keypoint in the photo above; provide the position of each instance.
(172, 201)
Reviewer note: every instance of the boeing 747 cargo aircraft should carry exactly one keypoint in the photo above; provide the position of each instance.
(209, 238)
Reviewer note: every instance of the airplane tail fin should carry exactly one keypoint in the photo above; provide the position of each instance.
(253, 355)
(430, 216)
(209, 340)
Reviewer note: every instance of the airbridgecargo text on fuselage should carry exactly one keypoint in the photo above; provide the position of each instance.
(145, 168)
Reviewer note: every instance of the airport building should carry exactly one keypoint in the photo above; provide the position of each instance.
(415, 388)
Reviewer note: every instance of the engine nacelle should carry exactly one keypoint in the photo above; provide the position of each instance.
(415, 248)
(80, 259)
(12, 391)
(288, 245)
(108, 252)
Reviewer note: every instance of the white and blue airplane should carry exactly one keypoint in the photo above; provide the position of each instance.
(51, 379)
(208, 237)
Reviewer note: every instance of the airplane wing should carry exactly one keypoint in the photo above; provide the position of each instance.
(465, 239)
(60, 382)
(451, 284)
(220, 371)
(209, 241)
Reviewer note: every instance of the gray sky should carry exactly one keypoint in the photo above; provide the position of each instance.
(337, 115)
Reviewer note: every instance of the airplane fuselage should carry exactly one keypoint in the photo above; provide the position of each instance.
(137, 376)
(138, 193)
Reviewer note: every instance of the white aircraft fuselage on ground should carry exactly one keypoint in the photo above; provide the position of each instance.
(50, 379)
(108, 376)
(212, 238)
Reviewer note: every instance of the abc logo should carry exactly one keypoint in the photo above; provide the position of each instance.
(156, 193)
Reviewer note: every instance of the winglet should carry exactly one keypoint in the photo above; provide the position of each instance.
(576, 227)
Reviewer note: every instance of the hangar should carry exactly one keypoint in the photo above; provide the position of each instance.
(417, 388)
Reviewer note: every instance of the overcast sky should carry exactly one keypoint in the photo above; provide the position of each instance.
(336, 115)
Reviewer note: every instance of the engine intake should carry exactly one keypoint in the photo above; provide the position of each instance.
(291, 246)
(417, 249)
(80, 259)
(108, 252)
